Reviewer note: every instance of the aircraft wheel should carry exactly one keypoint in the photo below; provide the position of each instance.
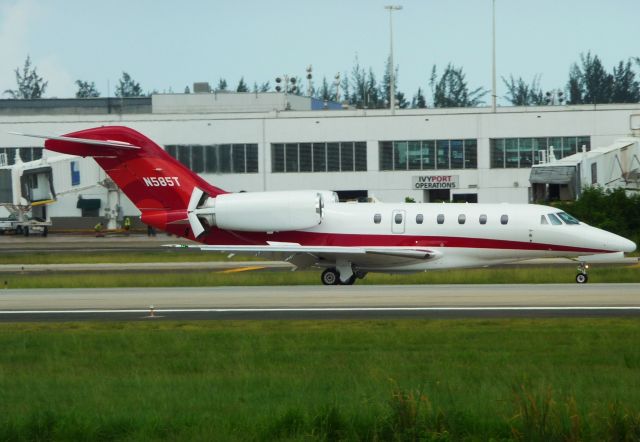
(25, 231)
(581, 278)
(330, 277)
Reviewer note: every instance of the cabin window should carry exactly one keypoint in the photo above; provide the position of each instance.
(377, 218)
(419, 218)
(462, 219)
(483, 219)
(554, 220)
(440, 219)
(504, 219)
(398, 218)
(568, 219)
(543, 220)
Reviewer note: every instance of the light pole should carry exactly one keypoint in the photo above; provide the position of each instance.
(392, 93)
(289, 87)
(554, 97)
(493, 58)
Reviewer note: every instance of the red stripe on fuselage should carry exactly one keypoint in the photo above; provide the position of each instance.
(221, 237)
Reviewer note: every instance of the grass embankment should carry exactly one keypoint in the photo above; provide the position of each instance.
(551, 379)
(502, 275)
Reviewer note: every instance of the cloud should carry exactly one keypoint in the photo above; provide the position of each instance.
(16, 19)
(60, 81)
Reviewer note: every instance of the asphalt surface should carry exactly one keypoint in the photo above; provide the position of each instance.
(88, 243)
(320, 302)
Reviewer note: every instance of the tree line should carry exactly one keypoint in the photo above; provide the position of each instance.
(589, 82)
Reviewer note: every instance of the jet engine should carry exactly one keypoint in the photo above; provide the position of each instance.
(256, 211)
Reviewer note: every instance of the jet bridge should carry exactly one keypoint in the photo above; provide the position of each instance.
(610, 167)
(25, 191)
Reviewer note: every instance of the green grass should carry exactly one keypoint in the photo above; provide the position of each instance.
(537, 380)
(106, 256)
(499, 275)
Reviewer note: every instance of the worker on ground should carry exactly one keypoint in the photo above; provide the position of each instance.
(127, 225)
(98, 229)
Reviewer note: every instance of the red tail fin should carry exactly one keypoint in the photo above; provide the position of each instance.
(152, 179)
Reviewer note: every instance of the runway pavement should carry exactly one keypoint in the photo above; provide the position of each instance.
(320, 302)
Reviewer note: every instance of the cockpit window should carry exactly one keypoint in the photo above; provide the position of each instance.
(568, 219)
(543, 220)
(554, 219)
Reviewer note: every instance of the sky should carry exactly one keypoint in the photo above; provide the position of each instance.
(168, 45)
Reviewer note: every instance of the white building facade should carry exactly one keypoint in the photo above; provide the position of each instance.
(469, 154)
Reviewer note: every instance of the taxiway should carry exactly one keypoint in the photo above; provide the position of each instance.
(301, 302)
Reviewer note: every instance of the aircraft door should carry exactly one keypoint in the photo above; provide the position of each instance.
(398, 219)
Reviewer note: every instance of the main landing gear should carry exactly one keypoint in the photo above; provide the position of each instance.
(582, 277)
(331, 276)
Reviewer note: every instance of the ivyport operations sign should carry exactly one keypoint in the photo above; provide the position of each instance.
(427, 182)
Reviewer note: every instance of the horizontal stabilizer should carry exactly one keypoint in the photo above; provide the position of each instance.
(110, 143)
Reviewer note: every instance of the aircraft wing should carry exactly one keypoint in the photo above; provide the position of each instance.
(305, 256)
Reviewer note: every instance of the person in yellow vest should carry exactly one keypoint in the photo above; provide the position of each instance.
(98, 229)
(127, 225)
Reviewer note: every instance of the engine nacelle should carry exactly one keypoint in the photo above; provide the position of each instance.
(265, 211)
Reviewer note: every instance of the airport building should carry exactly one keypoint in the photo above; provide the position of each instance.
(273, 141)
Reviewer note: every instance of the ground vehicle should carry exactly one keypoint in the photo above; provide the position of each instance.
(22, 222)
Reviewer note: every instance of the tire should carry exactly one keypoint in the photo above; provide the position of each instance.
(349, 281)
(45, 231)
(330, 277)
(582, 278)
(26, 231)
(19, 230)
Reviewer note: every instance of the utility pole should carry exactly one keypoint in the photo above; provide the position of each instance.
(392, 92)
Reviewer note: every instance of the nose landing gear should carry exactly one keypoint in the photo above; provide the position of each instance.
(582, 277)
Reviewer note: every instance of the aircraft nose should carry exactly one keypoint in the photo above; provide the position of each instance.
(607, 241)
(620, 244)
(627, 246)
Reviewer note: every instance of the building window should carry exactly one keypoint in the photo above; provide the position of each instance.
(457, 154)
(419, 218)
(319, 157)
(344, 156)
(306, 162)
(442, 154)
(525, 152)
(470, 154)
(428, 154)
(217, 158)
(8, 154)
